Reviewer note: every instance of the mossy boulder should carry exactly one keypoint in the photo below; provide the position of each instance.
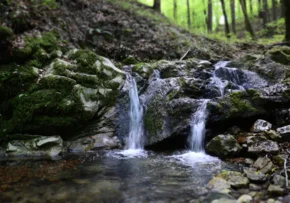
(280, 54)
(5, 33)
(62, 96)
(223, 146)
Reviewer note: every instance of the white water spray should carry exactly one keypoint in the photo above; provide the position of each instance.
(198, 121)
(135, 140)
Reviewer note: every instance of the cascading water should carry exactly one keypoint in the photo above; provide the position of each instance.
(198, 122)
(136, 119)
(237, 79)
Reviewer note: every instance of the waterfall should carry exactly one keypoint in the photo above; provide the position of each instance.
(198, 122)
(134, 140)
(236, 78)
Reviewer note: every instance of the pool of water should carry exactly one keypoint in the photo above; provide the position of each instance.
(114, 176)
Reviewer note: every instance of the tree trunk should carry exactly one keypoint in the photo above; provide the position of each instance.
(227, 27)
(209, 16)
(188, 14)
(233, 14)
(175, 10)
(274, 9)
(265, 13)
(286, 5)
(157, 5)
(247, 21)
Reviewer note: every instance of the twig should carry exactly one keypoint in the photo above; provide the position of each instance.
(185, 54)
(286, 174)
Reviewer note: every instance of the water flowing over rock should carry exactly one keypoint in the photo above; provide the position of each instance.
(198, 121)
(135, 139)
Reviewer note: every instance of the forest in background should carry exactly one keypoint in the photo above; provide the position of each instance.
(264, 18)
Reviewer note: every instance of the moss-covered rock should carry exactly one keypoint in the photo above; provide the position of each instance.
(62, 97)
(280, 54)
(5, 33)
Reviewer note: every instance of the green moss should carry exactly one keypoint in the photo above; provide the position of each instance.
(239, 104)
(280, 54)
(143, 69)
(5, 33)
(154, 116)
(130, 60)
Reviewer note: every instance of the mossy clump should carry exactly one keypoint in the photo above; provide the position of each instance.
(280, 54)
(37, 48)
(5, 33)
(60, 98)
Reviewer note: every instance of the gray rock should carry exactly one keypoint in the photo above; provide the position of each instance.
(254, 187)
(238, 181)
(279, 180)
(245, 199)
(284, 132)
(249, 161)
(219, 184)
(259, 145)
(261, 126)
(255, 176)
(39, 146)
(264, 164)
(275, 190)
(223, 146)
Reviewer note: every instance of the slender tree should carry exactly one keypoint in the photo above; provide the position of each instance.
(157, 5)
(188, 14)
(247, 21)
(233, 15)
(274, 9)
(251, 7)
(265, 13)
(209, 16)
(175, 10)
(227, 27)
(286, 5)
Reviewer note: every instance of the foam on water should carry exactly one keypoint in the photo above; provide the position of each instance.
(128, 154)
(193, 159)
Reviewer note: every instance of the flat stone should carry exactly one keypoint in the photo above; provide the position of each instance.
(261, 126)
(238, 181)
(219, 184)
(261, 145)
(264, 164)
(275, 190)
(255, 176)
(255, 187)
(245, 199)
(224, 200)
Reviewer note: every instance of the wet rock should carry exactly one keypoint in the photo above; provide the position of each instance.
(279, 180)
(219, 184)
(259, 145)
(264, 164)
(275, 190)
(273, 135)
(255, 176)
(212, 196)
(234, 178)
(2, 152)
(254, 187)
(280, 159)
(245, 199)
(249, 161)
(284, 132)
(261, 126)
(39, 146)
(223, 146)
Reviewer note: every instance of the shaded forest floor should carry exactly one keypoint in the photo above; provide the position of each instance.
(122, 30)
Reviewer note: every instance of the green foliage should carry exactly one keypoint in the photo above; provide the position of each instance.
(51, 3)
(5, 33)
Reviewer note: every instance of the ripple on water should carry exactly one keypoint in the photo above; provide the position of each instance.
(128, 154)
